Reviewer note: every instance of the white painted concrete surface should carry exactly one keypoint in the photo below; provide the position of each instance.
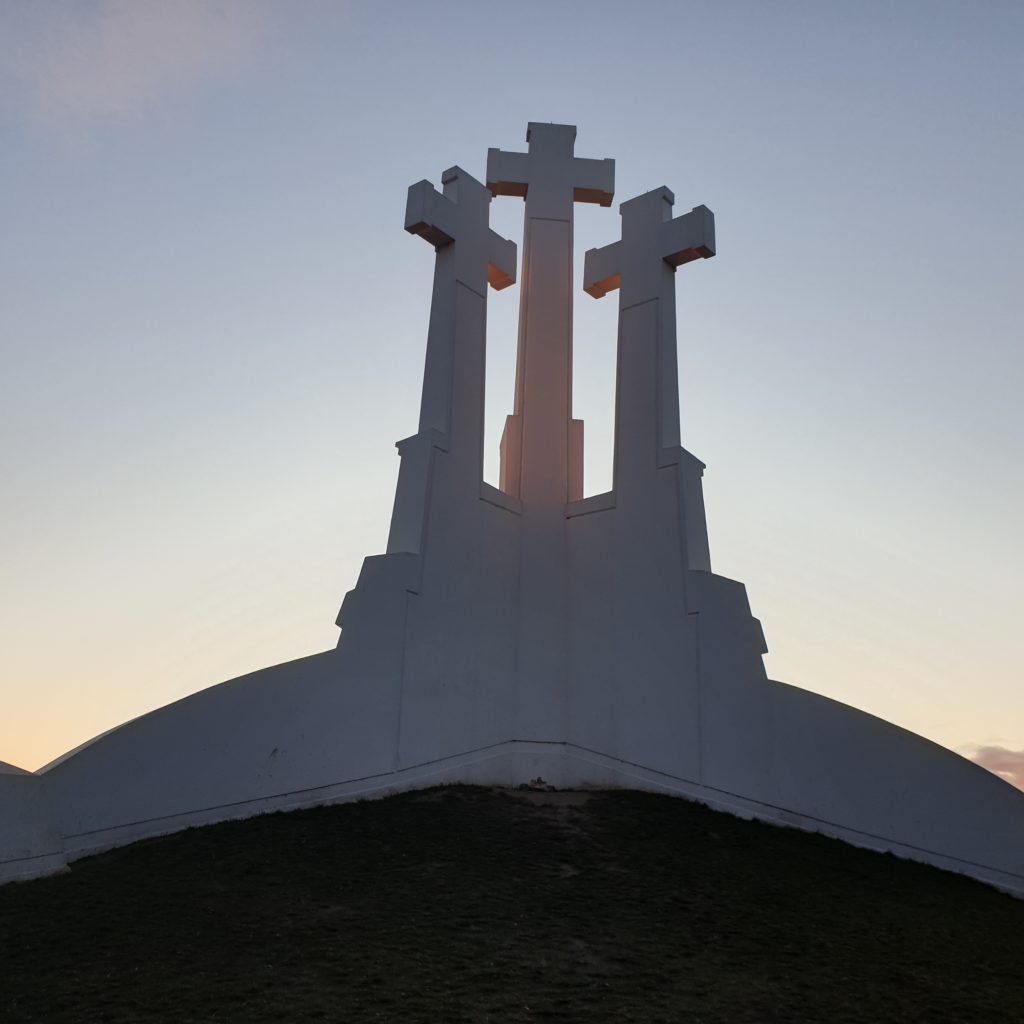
(528, 631)
(30, 840)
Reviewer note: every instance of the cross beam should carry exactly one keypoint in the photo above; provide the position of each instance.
(549, 176)
(542, 445)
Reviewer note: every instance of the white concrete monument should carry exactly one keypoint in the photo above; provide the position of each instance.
(527, 630)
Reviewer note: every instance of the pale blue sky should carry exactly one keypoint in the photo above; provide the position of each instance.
(212, 323)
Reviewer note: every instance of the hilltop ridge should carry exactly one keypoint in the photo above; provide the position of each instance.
(469, 904)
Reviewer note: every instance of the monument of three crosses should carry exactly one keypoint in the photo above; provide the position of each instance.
(526, 630)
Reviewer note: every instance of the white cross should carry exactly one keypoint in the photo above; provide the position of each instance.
(642, 266)
(459, 216)
(651, 238)
(549, 177)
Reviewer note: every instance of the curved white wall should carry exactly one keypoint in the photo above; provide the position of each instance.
(30, 841)
(306, 733)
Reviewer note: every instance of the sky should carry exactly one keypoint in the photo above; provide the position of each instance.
(212, 325)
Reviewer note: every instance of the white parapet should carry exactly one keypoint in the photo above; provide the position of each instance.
(30, 839)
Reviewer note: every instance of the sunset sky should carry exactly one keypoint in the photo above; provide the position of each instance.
(212, 324)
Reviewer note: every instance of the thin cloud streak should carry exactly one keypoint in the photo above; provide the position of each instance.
(1007, 764)
(115, 58)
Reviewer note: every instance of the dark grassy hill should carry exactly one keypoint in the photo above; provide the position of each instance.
(474, 905)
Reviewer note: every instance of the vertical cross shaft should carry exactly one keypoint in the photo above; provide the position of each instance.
(470, 254)
(542, 446)
(642, 266)
(469, 257)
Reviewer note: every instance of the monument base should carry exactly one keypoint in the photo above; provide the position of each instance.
(297, 735)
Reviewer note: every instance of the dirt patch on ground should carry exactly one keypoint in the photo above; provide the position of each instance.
(551, 797)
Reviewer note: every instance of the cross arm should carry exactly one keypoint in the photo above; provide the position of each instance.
(689, 237)
(593, 181)
(501, 261)
(429, 214)
(508, 174)
(602, 272)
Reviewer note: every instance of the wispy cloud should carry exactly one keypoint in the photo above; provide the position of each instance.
(115, 58)
(1007, 764)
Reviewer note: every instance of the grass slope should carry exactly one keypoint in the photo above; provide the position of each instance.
(466, 904)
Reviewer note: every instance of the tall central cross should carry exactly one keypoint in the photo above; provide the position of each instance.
(542, 446)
